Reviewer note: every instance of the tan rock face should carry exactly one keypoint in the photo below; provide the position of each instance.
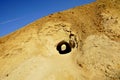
(82, 43)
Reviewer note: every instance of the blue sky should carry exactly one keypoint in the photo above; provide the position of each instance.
(15, 14)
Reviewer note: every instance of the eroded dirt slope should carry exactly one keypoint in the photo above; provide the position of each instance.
(82, 43)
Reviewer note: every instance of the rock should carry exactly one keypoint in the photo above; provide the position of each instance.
(82, 43)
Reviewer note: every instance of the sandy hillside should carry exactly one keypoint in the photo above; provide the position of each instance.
(82, 43)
